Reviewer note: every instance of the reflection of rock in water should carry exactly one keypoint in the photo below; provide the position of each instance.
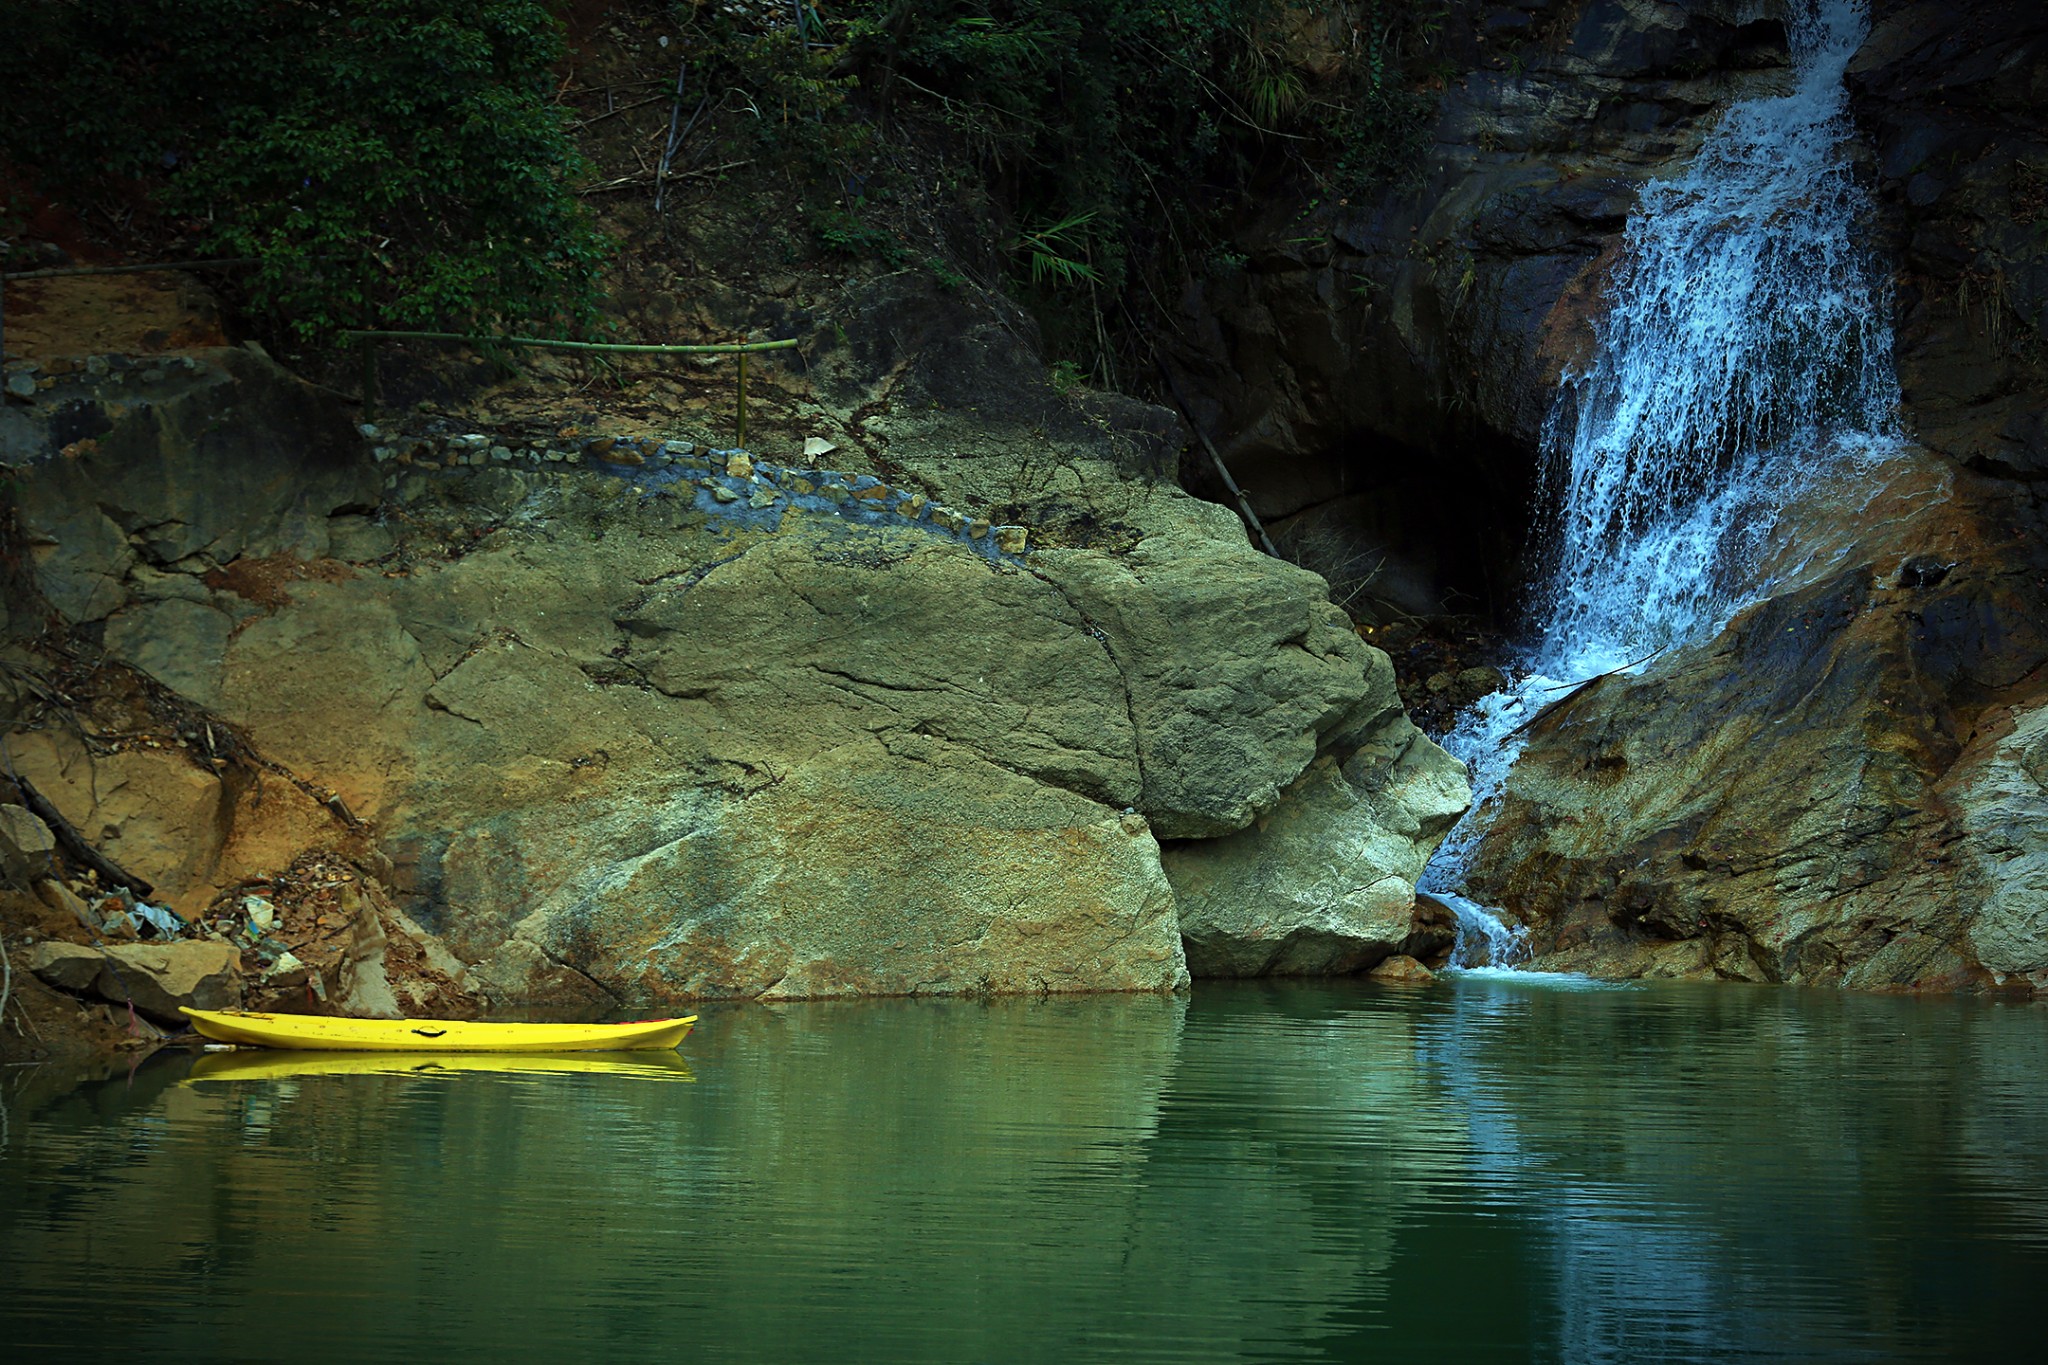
(1565, 1172)
(1701, 1157)
(1321, 1095)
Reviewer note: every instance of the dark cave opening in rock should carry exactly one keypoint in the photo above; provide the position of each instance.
(1402, 532)
(1426, 547)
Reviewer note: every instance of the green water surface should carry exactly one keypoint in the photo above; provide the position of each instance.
(1478, 1170)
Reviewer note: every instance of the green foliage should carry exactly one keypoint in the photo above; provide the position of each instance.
(1065, 376)
(1049, 246)
(841, 232)
(1121, 133)
(389, 161)
(786, 83)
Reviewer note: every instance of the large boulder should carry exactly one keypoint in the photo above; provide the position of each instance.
(897, 866)
(158, 978)
(1325, 883)
(1234, 665)
(2001, 801)
(670, 727)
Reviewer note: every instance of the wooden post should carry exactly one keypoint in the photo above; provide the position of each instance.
(741, 439)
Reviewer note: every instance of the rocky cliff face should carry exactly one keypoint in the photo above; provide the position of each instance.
(1834, 789)
(633, 721)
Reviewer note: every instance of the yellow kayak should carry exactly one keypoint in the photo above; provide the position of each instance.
(272, 1065)
(307, 1032)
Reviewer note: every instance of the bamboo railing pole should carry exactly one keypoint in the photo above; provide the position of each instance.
(544, 343)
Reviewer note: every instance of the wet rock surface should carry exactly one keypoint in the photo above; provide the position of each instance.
(1841, 788)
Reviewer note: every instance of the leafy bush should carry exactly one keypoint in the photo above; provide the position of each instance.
(388, 161)
(1107, 123)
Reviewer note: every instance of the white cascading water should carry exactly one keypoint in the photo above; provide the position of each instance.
(1744, 355)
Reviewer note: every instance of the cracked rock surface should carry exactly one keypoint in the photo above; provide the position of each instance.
(617, 748)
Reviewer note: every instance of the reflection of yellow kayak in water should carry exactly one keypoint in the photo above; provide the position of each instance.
(272, 1065)
(303, 1032)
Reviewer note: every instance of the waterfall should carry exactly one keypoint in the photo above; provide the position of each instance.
(1744, 354)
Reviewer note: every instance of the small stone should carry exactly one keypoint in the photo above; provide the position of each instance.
(370, 431)
(799, 486)
(1011, 539)
(58, 896)
(914, 505)
(1473, 683)
(834, 490)
(875, 493)
(724, 494)
(502, 454)
(553, 456)
(472, 441)
(21, 385)
(977, 528)
(947, 519)
(1401, 969)
(573, 456)
(152, 375)
(680, 449)
(381, 454)
(95, 365)
(739, 465)
(763, 497)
